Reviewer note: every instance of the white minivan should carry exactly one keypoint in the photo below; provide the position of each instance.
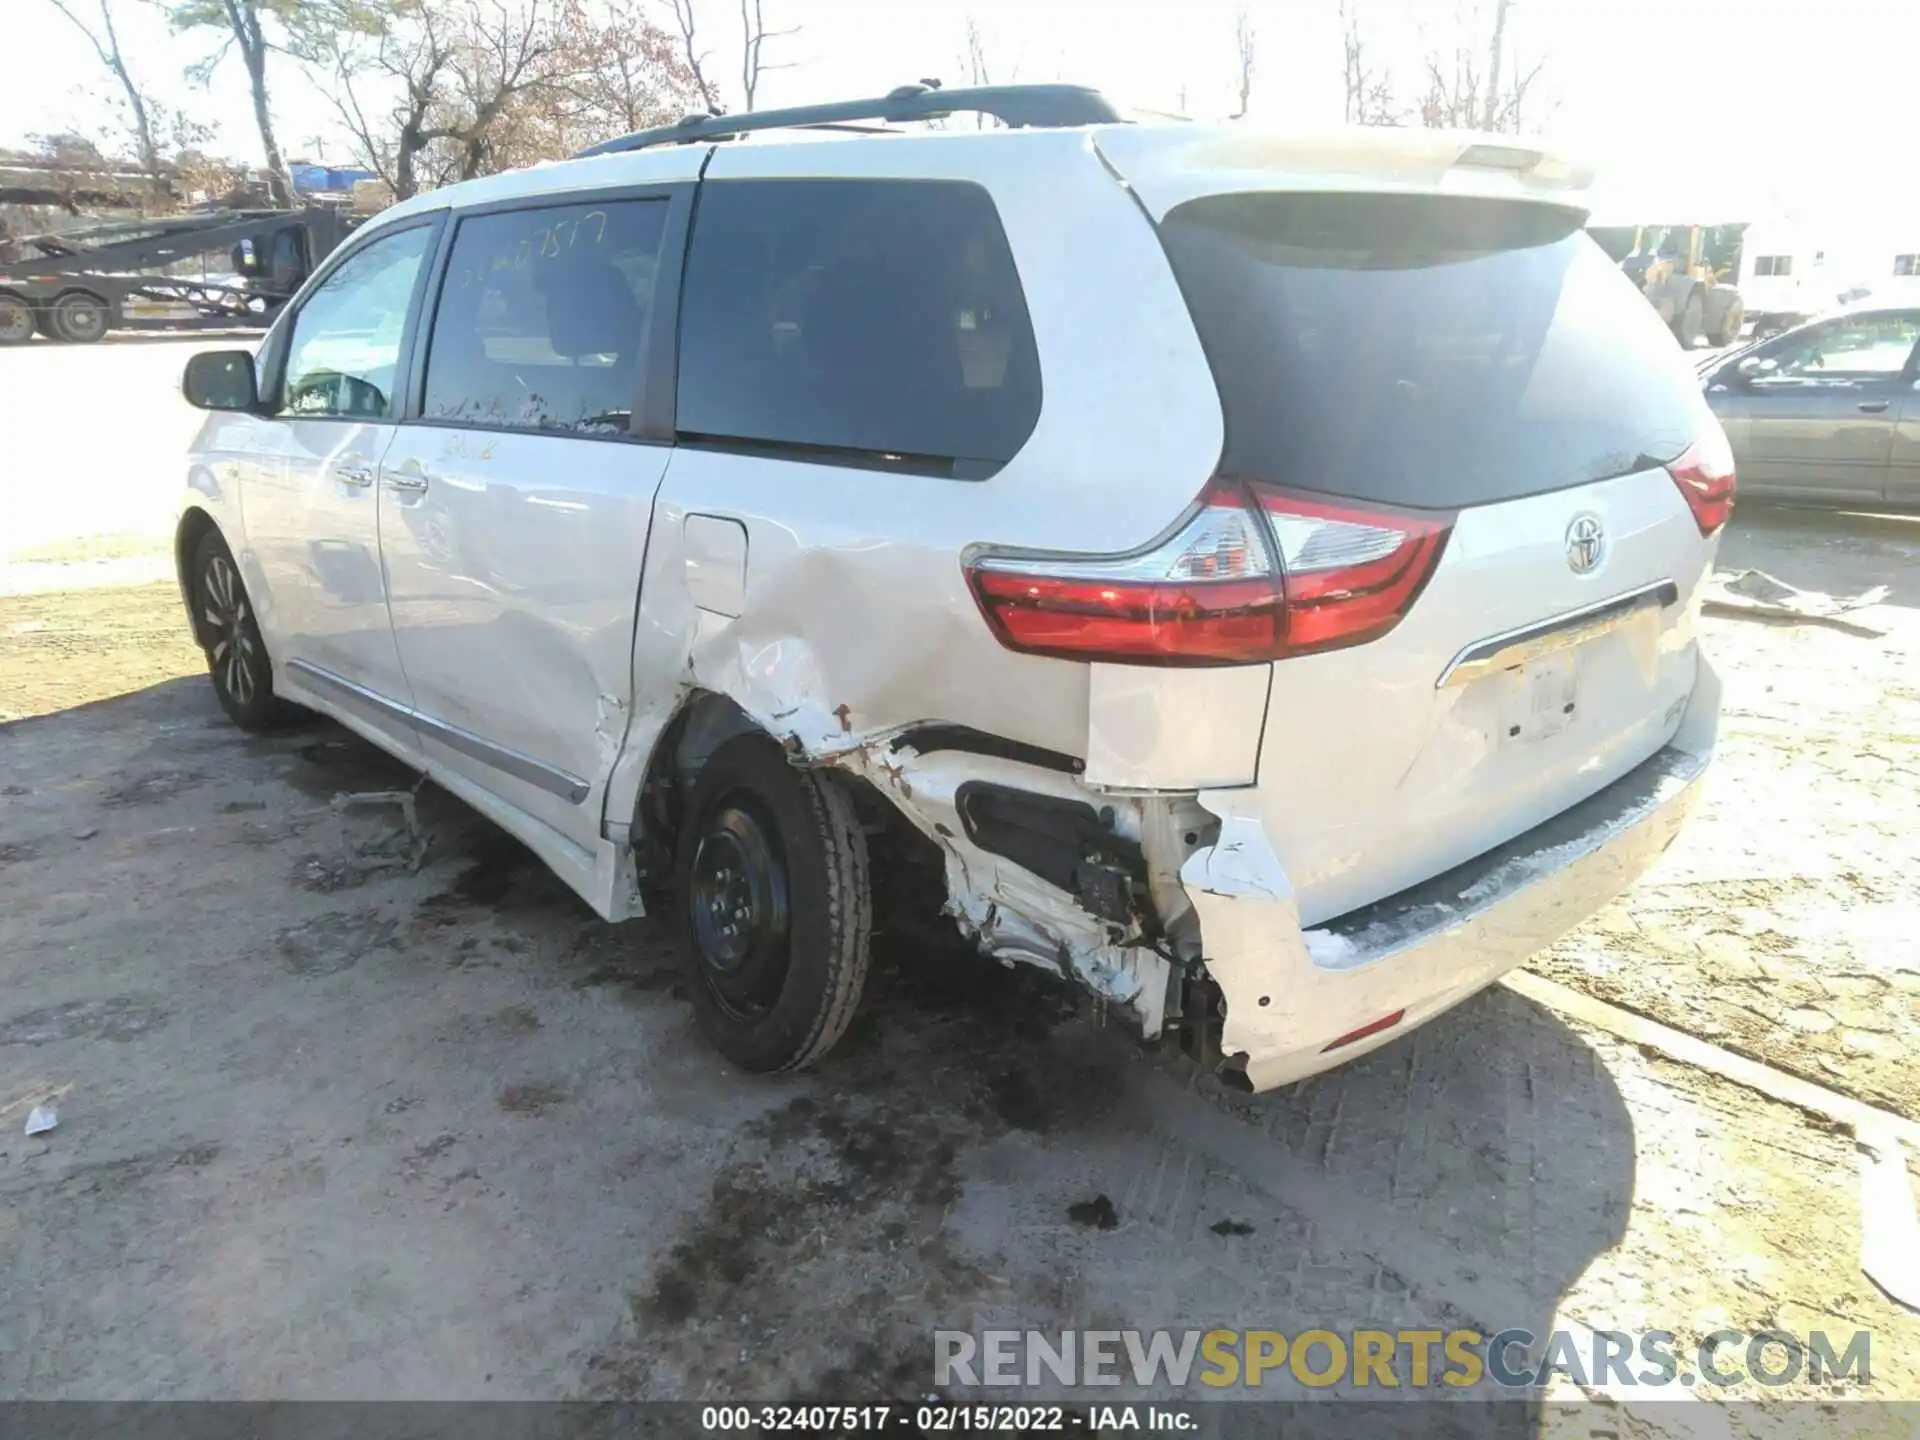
(1250, 575)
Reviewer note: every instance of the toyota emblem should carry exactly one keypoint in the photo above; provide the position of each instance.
(1586, 544)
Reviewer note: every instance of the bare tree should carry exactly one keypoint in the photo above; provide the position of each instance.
(608, 76)
(1244, 42)
(106, 44)
(502, 63)
(1461, 94)
(1369, 89)
(244, 24)
(1494, 53)
(696, 58)
(753, 63)
(472, 86)
(977, 65)
(406, 50)
(974, 61)
(627, 74)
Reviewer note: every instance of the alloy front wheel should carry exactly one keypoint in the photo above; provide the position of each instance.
(237, 659)
(232, 651)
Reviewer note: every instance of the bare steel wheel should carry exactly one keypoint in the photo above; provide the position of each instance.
(771, 875)
(16, 320)
(236, 654)
(737, 906)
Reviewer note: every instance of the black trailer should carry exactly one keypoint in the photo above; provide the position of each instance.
(213, 268)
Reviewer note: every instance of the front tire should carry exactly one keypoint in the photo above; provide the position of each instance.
(775, 908)
(230, 634)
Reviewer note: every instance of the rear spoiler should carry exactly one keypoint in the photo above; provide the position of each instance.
(1170, 164)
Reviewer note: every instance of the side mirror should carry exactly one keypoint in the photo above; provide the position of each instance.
(220, 380)
(1753, 368)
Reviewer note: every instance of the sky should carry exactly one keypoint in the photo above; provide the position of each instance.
(1705, 110)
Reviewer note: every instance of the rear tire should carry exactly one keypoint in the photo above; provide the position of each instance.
(78, 318)
(237, 660)
(1691, 322)
(16, 320)
(775, 907)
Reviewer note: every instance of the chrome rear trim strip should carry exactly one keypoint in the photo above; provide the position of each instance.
(1562, 632)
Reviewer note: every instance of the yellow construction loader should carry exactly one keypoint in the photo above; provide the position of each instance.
(1684, 271)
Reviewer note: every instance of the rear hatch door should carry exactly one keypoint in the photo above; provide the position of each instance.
(1390, 344)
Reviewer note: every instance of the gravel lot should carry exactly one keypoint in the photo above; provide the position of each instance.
(333, 1125)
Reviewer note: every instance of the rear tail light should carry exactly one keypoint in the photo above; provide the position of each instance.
(1252, 575)
(1705, 477)
(1351, 573)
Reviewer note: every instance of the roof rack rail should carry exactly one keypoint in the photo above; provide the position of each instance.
(1043, 106)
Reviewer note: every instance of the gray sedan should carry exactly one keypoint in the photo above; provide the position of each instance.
(1828, 411)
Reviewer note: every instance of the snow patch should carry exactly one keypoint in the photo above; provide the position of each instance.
(1328, 950)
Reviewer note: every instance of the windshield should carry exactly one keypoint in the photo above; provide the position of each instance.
(1431, 351)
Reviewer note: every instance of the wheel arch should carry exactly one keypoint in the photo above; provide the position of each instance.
(188, 533)
(701, 723)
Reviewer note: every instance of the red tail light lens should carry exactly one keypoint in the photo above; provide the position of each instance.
(1254, 575)
(1207, 596)
(1705, 476)
(1351, 572)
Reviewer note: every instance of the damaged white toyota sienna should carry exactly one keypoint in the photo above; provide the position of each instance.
(1252, 576)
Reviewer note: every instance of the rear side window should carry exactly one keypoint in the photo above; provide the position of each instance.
(543, 316)
(1428, 351)
(869, 322)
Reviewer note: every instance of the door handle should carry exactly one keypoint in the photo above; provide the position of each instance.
(353, 475)
(1871, 407)
(408, 482)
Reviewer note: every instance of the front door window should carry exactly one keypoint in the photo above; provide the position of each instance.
(1865, 347)
(345, 348)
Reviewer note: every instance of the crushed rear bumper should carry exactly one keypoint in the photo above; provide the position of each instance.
(1290, 994)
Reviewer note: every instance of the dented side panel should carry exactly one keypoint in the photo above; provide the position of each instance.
(855, 621)
(512, 581)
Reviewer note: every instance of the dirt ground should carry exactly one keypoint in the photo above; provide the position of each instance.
(332, 1125)
(72, 647)
(1785, 925)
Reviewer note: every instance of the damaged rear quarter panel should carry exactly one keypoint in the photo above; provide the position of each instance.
(854, 621)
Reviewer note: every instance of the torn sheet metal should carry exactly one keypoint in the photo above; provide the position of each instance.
(1011, 913)
(1290, 994)
(1756, 595)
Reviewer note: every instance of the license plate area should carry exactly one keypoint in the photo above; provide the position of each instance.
(1539, 699)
